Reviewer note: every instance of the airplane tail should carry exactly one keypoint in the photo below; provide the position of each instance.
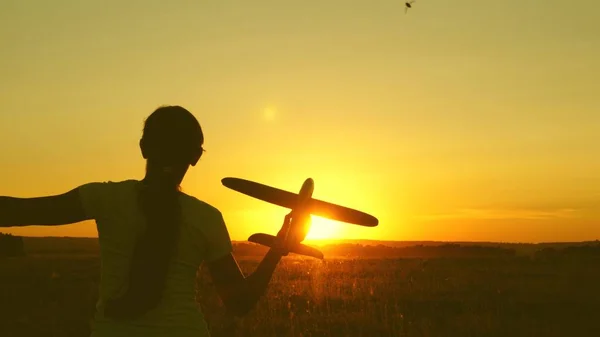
(302, 249)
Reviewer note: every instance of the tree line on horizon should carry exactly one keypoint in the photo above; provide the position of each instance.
(11, 245)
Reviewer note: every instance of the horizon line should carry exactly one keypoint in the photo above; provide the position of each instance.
(371, 240)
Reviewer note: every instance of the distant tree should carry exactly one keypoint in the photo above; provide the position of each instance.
(11, 245)
(573, 252)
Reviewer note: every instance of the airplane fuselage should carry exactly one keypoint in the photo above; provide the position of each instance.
(301, 220)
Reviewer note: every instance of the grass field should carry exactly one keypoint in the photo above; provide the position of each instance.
(52, 294)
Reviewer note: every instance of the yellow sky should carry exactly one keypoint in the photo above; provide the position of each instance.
(468, 120)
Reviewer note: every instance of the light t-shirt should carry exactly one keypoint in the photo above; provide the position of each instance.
(204, 237)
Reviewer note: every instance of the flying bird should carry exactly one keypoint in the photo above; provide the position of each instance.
(408, 5)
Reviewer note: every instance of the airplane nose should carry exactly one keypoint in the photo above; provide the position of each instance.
(307, 189)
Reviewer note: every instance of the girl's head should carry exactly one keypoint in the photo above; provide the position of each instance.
(171, 142)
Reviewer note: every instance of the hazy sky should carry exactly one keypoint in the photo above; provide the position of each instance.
(462, 120)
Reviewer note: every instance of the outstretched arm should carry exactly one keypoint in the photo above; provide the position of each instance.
(53, 210)
(238, 292)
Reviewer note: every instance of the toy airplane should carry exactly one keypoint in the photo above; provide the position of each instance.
(297, 223)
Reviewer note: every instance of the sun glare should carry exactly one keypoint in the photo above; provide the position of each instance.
(322, 229)
(269, 114)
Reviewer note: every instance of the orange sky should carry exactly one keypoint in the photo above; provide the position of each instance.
(470, 120)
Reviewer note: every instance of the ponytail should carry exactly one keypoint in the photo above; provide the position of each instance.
(153, 250)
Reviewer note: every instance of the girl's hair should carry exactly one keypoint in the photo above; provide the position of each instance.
(172, 140)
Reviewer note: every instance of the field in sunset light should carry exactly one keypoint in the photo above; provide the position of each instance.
(401, 290)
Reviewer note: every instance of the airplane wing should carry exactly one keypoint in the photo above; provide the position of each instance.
(302, 249)
(341, 213)
(288, 200)
(262, 192)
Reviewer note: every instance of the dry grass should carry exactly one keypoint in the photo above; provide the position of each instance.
(54, 295)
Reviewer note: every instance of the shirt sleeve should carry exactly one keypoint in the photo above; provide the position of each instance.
(92, 198)
(219, 241)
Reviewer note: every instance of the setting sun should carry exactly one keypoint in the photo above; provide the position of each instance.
(322, 228)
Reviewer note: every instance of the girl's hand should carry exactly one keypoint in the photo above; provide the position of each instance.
(281, 243)
(292, 232)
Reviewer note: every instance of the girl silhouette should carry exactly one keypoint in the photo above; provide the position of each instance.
(153, 238)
